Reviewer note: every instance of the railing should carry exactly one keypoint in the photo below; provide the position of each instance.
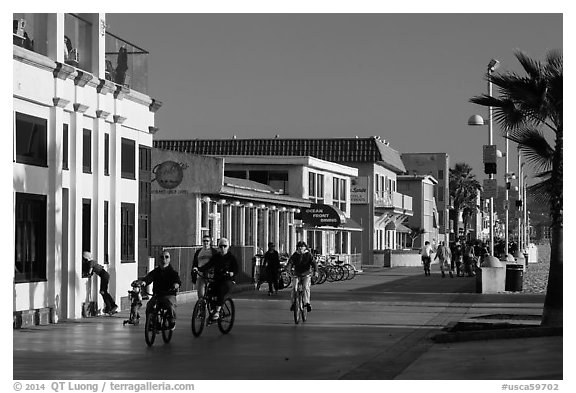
(78, 42)
(30, 31)
(393, 200)
(126, 64)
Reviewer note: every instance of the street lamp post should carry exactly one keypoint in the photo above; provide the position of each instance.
(476, 120)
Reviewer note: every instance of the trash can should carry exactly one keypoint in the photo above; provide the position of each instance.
(514, 275)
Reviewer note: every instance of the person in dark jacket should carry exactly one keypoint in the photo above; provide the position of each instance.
(224, 268)
(166, 282)
(271, 266)
(303, 266)
(110, 306)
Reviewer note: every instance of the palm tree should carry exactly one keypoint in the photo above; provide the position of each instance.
(527, 106)
(464, 190)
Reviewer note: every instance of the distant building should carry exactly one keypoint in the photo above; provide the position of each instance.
(422, 189)
(437, 165)
(81, 164)
(375, 203)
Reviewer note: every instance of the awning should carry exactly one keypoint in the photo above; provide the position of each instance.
(391, 226)
(326, 217)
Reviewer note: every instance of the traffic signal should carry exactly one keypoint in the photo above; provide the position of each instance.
(490, 168)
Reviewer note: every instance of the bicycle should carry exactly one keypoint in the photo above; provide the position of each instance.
(205, 307)
(135, 297)
(299, 306)
(157, 322)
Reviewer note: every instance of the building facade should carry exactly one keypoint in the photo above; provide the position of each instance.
(81, 163)
(251, 201)
(437, 165)
(422, 190)
(375, 203)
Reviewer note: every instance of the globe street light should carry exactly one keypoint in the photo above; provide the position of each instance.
(477, 120)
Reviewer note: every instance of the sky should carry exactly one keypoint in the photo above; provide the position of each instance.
(405, 77)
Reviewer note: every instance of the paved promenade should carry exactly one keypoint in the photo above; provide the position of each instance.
(378, 326)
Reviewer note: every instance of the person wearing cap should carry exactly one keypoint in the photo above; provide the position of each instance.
(271, 266)
(110, 306)
(224, 267)
(303, 265)
(166, 282)
(201, 257)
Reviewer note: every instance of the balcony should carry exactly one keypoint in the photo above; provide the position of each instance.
(126, 64)
(392, 200)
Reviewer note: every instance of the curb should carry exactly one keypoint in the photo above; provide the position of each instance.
(515, 331)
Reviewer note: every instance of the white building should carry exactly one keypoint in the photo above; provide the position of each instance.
(83, 127)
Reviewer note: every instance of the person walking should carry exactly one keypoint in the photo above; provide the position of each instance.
(469, 260)
(110, 306)
(426, 257)
(201, 257)
(271, 265)
(457, 253)
(443, 255)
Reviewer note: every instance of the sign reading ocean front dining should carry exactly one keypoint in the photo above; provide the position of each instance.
(318, 215)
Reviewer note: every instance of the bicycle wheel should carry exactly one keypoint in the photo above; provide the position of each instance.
(227, 314)
(297, 307)
(351, 271)
(198, 317)
(166, 332)
(286, 278)
(150, 329)
(323, 275)
(303, 309)
(339, 273)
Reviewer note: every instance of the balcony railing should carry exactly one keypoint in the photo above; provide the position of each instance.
(393, 200)
(126, 64)
(30, 31)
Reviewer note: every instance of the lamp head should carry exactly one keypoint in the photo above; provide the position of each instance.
(493, 65)
(476, 120)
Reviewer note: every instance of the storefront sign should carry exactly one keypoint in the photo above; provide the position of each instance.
(176, 173)
(359, 191)
(318, 215)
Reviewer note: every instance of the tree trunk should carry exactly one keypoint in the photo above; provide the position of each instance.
(553, 303)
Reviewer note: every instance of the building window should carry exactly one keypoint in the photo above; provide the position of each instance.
(339, 193)
(127, 232)
(31, 136)
(106, 154)
(106, 220)
(65, 146)
(316, 187)
(441, 193)
(128, 158)
(87, 151)
(440, 175)
(441, 218)
(30, 238)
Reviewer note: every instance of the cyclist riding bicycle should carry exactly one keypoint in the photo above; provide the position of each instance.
(303, 265)
(225, 267)
(166, 282)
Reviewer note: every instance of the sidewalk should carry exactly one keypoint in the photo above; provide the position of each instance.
(520, 349)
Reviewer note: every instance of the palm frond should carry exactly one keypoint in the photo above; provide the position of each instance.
(541, 193)
(534, 147)
(532, 67)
